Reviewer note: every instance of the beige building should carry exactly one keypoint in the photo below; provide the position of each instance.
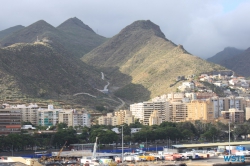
(105, 120)
(74, 117)
(234, 115)
(28, 113)
(119, 117)
(155, 118)
(124, 116)
(66, 116)
(178, 111)
(200, 110)
(247, 113)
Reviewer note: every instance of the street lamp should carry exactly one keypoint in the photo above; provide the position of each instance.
(229, 137)
(122, 143)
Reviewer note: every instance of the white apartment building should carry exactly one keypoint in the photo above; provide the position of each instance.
(81, 118)
(186, 86)
(142, 111)
(48, 117)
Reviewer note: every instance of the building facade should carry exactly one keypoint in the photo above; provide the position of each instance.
(48, 117)
(200, 110)
(234, 115)
(142, 111)
(10, 121)
(178, 111)
(155, 118)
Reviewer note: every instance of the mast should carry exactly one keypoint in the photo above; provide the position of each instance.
(94, 150)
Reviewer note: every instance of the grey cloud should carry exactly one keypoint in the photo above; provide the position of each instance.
(200, 26)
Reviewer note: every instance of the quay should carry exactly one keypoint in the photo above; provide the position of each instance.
(204, 162)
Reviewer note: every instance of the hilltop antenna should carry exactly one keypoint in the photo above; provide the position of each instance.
(37, 39)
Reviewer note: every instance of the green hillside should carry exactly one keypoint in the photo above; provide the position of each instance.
(141, 59)
(41, 71)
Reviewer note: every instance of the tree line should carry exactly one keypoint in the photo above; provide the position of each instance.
(182, 131)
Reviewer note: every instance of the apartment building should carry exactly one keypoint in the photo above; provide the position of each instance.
(142, 111)
(105, 120)
(28, 113)
(234, 115)
(226, 103)
(81, 118)
(66, 116)
(74, 118)
(119, 117)
(48, 117)
(178, 111)
(200, 110)
(10, 121)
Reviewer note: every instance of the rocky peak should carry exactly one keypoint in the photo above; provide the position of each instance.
(146, 25)
(74, 22)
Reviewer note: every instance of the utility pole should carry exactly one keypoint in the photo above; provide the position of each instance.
(122, 144)
(229, 137)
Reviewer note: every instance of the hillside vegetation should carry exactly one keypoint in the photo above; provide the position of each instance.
(147, 59)
(73, 35)
(39, 70)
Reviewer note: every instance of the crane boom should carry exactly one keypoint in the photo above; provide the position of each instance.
(59, 153)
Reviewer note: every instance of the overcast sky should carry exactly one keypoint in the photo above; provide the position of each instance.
(203, 27)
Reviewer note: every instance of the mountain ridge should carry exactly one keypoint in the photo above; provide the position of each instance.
(10, 30)
(240, 63)
(74, 36)
(148, 59)
(227, 53)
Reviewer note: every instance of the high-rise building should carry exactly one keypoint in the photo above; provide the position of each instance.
(200, 110)
(226, 103)
(10, 121)
(178, 111)
(142, 111)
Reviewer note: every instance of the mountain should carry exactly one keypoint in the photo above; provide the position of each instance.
(73, 35)
(141, 63)
(240, 63)
(10, 30)
(39, 70)
(227, 53)
(83, 39)
(36, 31)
